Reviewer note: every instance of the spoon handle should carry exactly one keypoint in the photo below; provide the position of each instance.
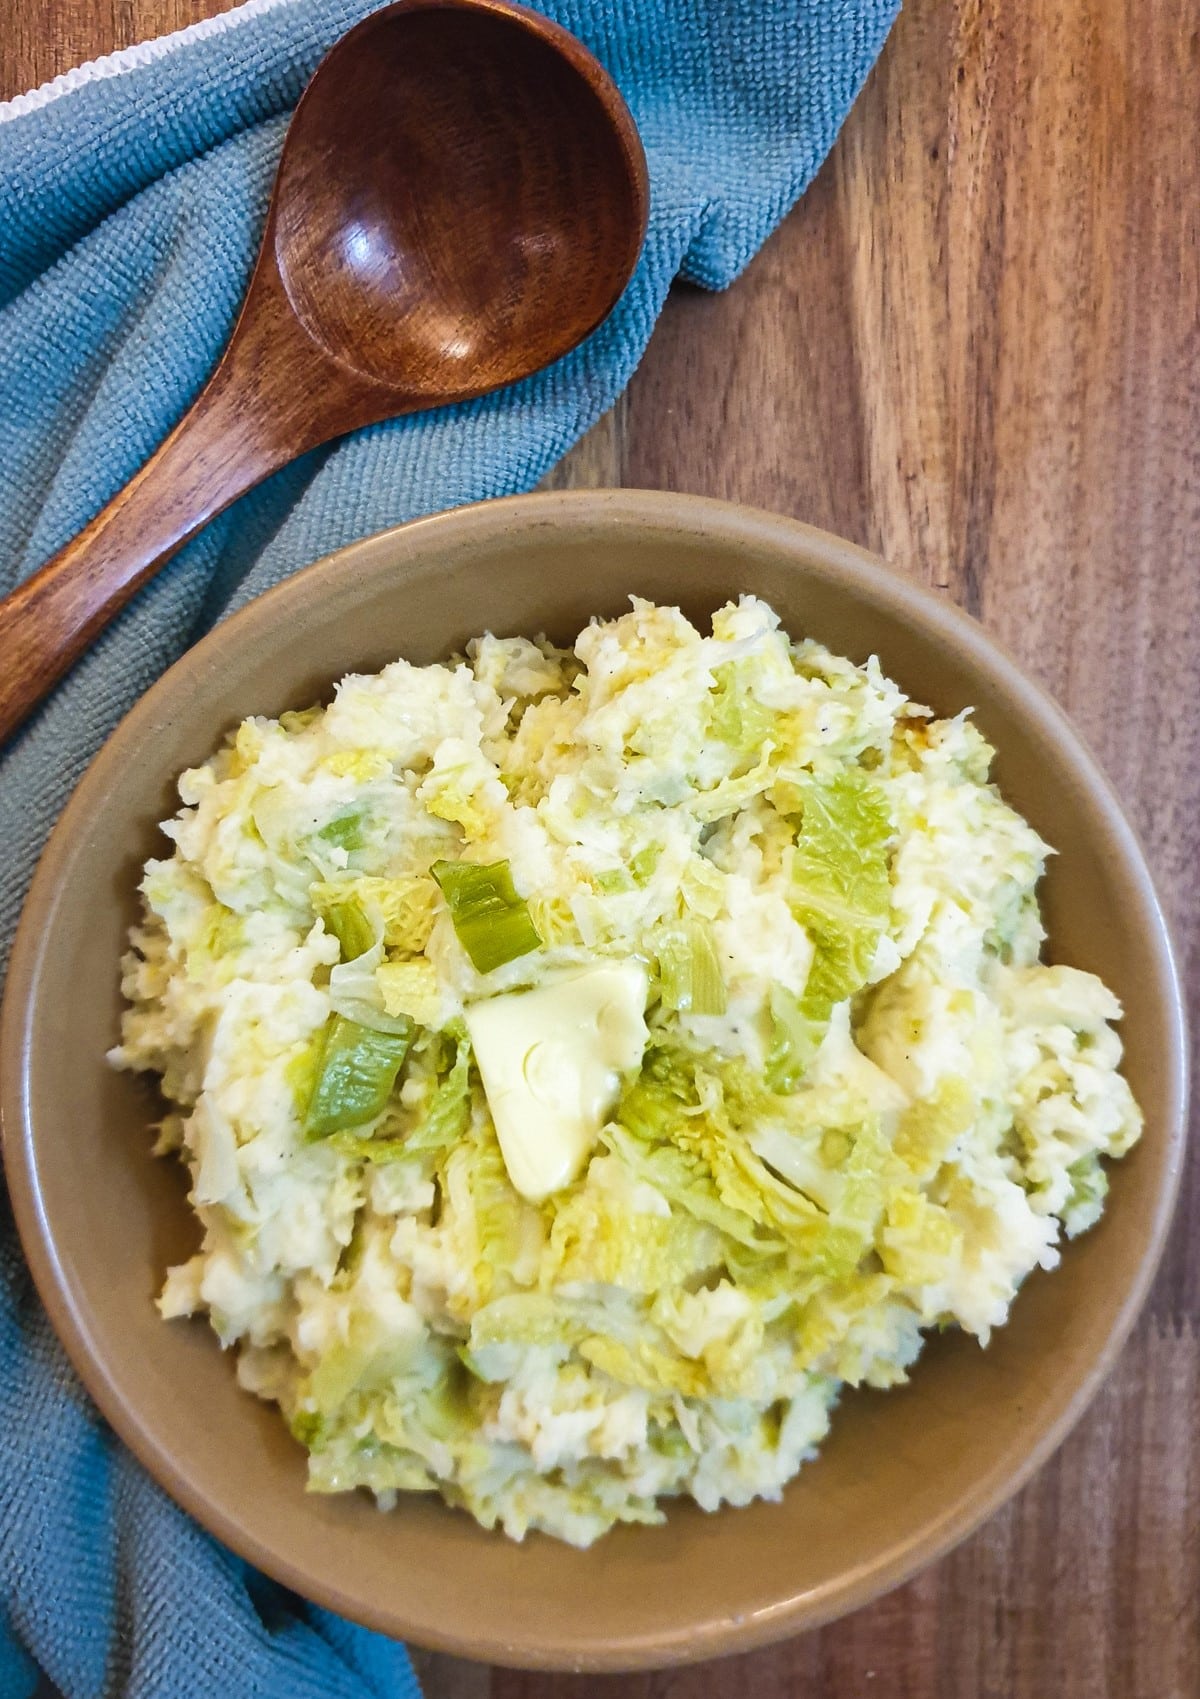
(48, 621)
(272, 397)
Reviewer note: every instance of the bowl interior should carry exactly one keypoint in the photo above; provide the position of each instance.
(904, 1473)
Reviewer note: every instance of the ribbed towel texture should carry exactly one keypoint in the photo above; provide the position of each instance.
(131, 202)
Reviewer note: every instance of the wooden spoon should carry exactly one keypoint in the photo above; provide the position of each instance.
(461, 198)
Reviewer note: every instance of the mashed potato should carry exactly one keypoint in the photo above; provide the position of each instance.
(588, 1062)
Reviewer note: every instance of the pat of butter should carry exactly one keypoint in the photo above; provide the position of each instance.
(551, 1062)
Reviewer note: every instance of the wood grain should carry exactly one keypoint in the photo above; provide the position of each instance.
(40, 39)
(975, 346)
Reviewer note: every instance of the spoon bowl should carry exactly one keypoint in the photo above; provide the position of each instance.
(455, 206)
(461, 199)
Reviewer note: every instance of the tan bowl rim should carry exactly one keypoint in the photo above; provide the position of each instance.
(836, 558)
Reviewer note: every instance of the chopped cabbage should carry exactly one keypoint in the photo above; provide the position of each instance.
(859, 1104)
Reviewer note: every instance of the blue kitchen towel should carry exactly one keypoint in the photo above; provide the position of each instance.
(132, 195)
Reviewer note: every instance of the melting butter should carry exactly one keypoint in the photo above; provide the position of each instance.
(551, 1062)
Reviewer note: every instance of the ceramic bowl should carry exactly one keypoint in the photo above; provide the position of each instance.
(904, 1474)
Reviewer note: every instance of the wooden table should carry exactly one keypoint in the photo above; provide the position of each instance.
(974, 347)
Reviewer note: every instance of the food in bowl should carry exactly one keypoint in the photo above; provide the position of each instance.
(589, 1061)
